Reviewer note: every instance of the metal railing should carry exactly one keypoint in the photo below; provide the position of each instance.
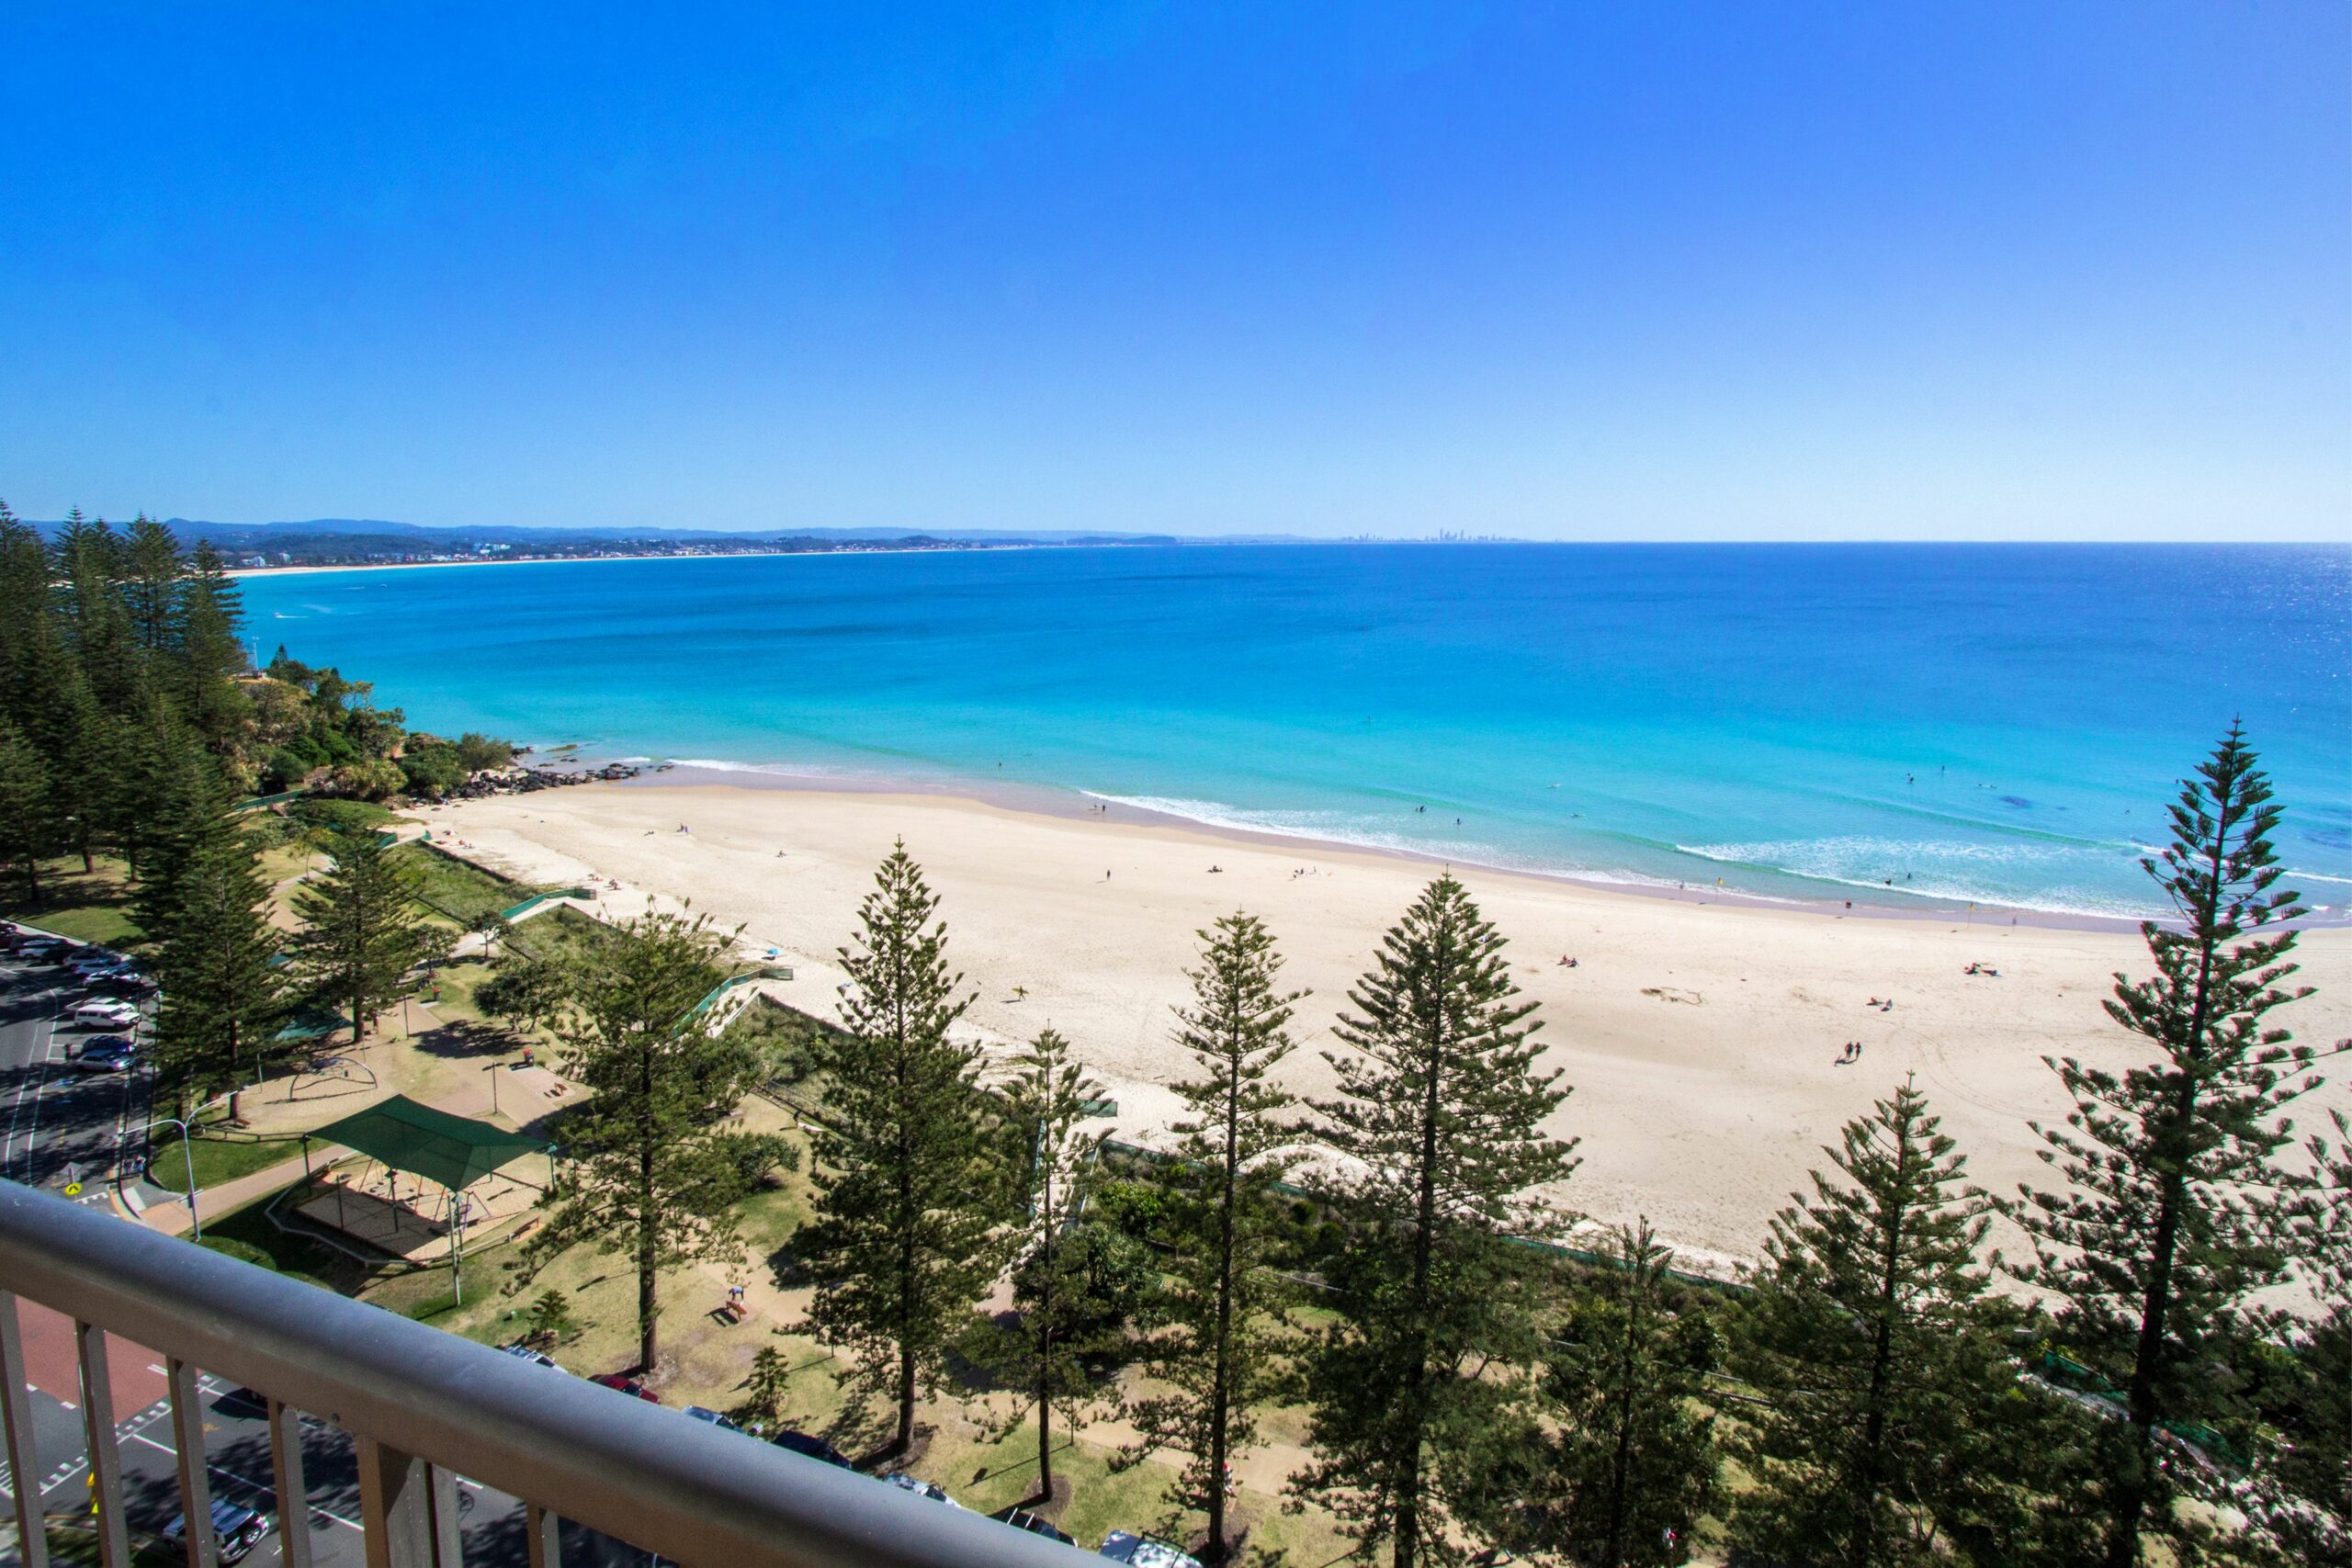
(423, 1407)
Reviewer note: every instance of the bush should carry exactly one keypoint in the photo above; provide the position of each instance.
(431, 768)
(341, 816)
(477, 751)
(369, 778)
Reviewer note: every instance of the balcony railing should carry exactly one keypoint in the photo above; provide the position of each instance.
(423, 1408)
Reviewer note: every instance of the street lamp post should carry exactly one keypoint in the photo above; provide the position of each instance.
(196, 1225)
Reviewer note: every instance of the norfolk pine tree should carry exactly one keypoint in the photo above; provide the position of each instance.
(1045, 1357)
(26, 823)
(1439, 1123)
(1216, 1358)
(2174, 1208)
(909, 1187)
(2317, 1461)
(360, 936)
(221, 996)
(1872, 1342)
(649, 1171)
(1635, 1464)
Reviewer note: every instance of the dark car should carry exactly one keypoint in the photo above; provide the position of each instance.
(106, 1053)
(236, 1530)
(629, 1386)
(815, 1448)
(1022, 1519)
(121, 982)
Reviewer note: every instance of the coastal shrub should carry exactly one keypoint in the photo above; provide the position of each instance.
(340, 816)
(784, 1039)
(478, 753)
(369, 778)
(431, 768)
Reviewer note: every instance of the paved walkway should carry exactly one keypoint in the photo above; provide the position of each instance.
(172, 1218)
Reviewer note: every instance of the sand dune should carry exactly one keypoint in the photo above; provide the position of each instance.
(1702, 1039)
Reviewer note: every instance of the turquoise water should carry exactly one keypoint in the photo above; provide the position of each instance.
(1889, 724)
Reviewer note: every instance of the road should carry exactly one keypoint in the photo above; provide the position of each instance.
(58, 1125)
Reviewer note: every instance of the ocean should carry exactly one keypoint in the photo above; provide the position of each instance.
(1908, 726)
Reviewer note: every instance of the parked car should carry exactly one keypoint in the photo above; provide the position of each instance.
(1022, 1519)
(90, 960)
(703, 1413)
(629, 1386)
(121, 982)
(1141, 1551)
(105, 1015)
(905, 1483)
(813, 1447)
(236, 1530)
(522, 1352)
(106, 1053)
(39, 949)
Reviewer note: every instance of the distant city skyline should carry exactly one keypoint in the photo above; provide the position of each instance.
(1702, 271)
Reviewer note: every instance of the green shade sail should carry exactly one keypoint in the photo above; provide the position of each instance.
(450, 1151)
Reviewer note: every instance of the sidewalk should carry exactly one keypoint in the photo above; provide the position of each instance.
(172, 1218)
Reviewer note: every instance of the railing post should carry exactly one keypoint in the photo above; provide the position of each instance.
(24, 1464)
(395, 1511)
(447, 1549)
(196, 1479)
(105, 1453)
(546, 1533)
(292, 1488)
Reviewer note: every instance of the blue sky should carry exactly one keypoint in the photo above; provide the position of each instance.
(1649, 269)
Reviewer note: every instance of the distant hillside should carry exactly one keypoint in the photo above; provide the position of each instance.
(351, 541)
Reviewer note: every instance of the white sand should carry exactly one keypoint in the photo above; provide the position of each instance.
(1702, 1039)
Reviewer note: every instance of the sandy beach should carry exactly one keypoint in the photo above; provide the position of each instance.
(1702, 1039)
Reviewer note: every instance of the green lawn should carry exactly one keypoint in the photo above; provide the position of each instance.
(86, 906)
(460, 891)
(217, 1158)
(566, 935)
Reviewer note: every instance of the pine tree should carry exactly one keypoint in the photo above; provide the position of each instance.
(210, 619)
(89, 568)
(1869, 1339)
(27, 825)
(1218, 1357)
(222, 994)
(151, 568)
(769, 1388)
(1046, 1357)
(2316, 1461)
(31, 658)
(86, 751)
(1439, 1125)
(359, 937)
(551, 1321)
(907, 1189)
(1635, 1464)
(2169, 1215)
(650, 1171)
(186, 811)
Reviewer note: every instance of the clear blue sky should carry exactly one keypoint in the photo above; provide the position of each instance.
(1753, 269)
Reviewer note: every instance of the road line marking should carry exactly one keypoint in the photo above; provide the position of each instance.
(248, 1482)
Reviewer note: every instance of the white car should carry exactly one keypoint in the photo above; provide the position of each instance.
(105, 1015)
(905, 1483)
(1140, 1551)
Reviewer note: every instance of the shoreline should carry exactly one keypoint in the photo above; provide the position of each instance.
(590, 560)
(1060, 803)
(1703, 1038)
